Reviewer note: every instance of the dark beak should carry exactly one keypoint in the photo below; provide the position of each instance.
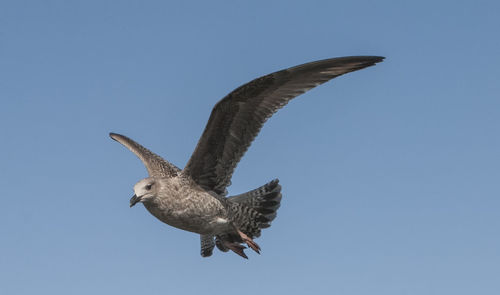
(134, 200)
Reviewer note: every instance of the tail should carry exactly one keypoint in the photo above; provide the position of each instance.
(265, 200)
(254, 211)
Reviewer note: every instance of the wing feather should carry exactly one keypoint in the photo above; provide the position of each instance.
(236, 120)
(155, 164)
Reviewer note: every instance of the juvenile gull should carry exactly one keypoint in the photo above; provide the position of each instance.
(194, 199)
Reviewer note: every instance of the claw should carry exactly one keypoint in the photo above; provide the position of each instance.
(249, 242)
(236, 248)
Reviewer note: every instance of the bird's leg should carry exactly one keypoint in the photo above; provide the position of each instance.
(249, 241)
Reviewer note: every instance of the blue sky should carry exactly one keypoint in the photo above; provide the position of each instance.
(390, 175)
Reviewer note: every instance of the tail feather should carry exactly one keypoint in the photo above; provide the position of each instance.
(265, 200)
(220, 245)
(254, 210)
(207, 245)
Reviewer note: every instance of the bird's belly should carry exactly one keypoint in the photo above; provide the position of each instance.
(198, 214)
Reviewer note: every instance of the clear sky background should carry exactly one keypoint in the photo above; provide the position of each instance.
(390, 175)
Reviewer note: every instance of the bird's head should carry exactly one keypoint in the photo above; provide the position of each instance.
(144, 190)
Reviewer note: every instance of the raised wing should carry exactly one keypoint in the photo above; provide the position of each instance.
(155, 164)
(237, 118)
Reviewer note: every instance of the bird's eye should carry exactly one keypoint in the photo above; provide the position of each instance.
(148, 187)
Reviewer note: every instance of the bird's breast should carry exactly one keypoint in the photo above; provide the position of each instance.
(189, 209)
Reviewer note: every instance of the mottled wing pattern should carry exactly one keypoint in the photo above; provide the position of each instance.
(155, 164)
(264, 200)
(237, 119)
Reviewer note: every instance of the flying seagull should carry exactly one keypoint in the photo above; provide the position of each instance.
(194, 199)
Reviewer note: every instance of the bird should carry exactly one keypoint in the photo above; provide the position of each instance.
(195, 198)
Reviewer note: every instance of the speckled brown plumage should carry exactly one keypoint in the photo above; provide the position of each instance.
(194, 199)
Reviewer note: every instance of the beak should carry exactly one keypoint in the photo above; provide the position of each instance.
(134, 200)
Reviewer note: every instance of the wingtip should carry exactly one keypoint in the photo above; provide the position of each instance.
(370, 58)
(368, 61)
(114, 136)
(373, 59)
